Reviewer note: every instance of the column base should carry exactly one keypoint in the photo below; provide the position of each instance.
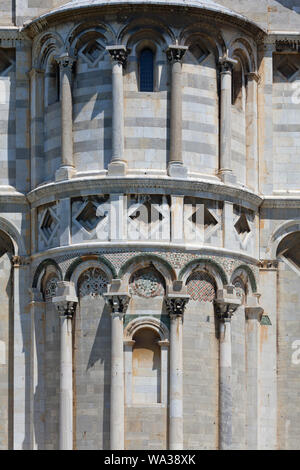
(118, 168)
(227, 176)
(65, 173)
(177, 170)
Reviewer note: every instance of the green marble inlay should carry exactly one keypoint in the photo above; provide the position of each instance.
(265, 321)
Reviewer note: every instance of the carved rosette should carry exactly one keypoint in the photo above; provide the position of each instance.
(118, 54)
(50, 289)
(147, 285)
(176, 53)
(93, 283)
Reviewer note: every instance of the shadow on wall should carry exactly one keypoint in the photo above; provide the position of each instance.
(101, 352)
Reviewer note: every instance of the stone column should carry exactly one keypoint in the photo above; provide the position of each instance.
(226, 305)
(118, 303)
(253, 314)
(20, 437)
(128, 346)
(176, 169)
(118, 165)
(164, 349)
(226, 66)
(67, 169)
(265, 117)
(175, 304)
(66, 301)
(37, 126)
(268, 354)
(252, 131)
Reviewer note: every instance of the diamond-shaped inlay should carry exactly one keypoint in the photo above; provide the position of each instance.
(48, 225)
(88, 217)
(199, 52)
(209, 220)
(6, 62)
(287, 69)
(93, 52)
(242, 227)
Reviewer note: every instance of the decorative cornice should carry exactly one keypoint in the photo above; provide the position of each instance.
(268, 264)
(34, 27)
(107, 185)
(281, 202)
(11, 36)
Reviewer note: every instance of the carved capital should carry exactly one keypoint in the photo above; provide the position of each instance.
(176, 53)
(65, 62)
(118, 54)
(226, 303)
(18, 261)
(176, 305)
(226, 64)
(253, 310)
(66, 298)
(253, 76)
(118, 303)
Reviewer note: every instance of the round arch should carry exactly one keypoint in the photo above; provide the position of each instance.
(12, 232)
(45, 46)
(81, 264)
(146, 323)
(247, 276)
(41, 270)
(279, 234)
(143, 261)
(207, 265)
(241, 48)
(84, 266)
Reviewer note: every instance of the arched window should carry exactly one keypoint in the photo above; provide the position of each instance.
(146, 70)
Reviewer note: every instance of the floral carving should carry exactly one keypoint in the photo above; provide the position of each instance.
(93, 282)
(147, 284)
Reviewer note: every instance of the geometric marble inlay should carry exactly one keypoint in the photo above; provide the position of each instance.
(201, 287)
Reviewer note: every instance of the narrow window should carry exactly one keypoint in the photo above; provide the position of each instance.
(146, 70)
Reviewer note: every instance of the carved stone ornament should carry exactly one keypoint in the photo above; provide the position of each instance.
(118, 303)
(226, 64)
(93, 282)
(118, 54)
(65, 61)
(176, 305)
(176, 53)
